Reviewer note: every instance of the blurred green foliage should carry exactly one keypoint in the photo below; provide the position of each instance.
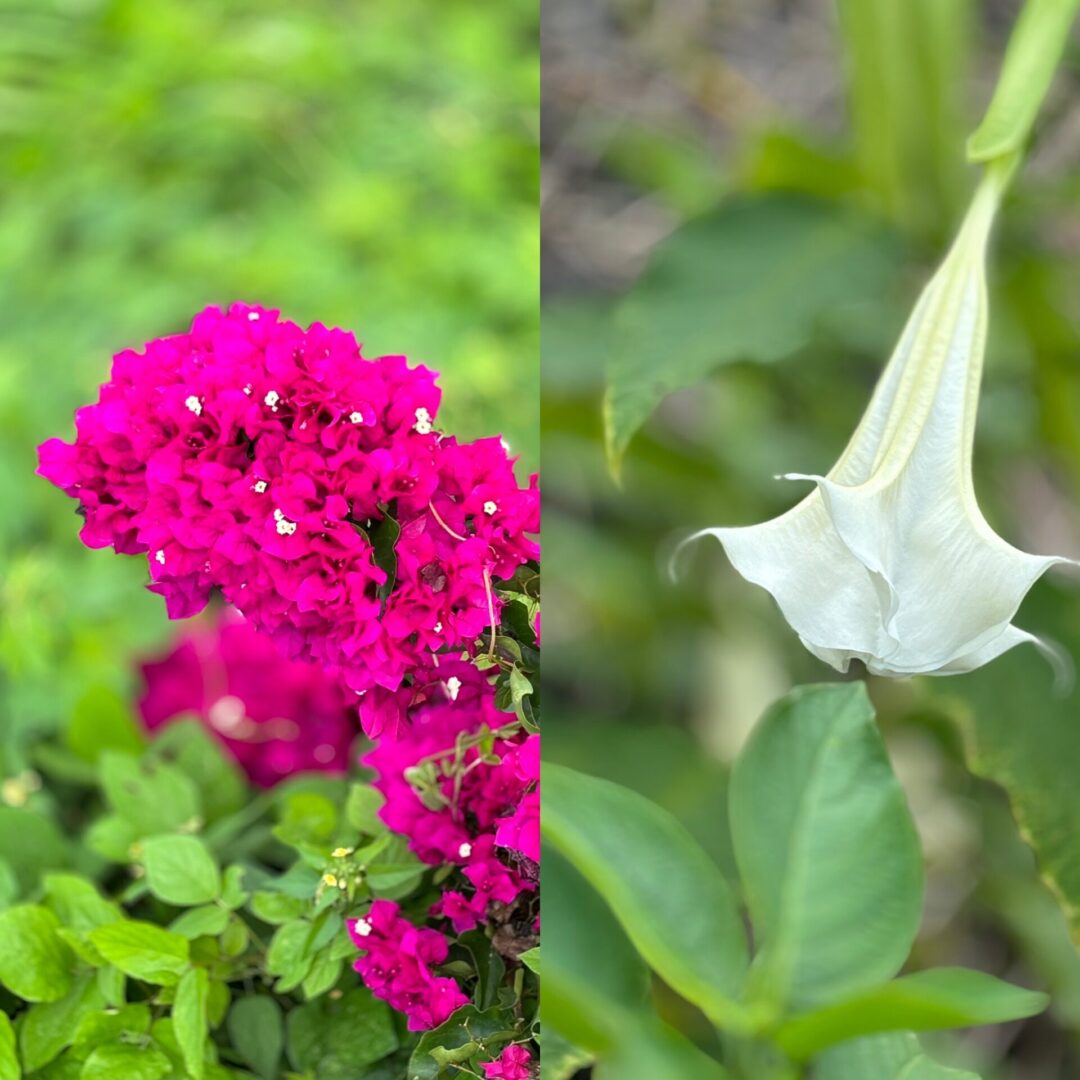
(859, 110)
(370, 165)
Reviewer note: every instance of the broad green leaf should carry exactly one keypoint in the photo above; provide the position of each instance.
(669, 896)
(277, 908)
(201, 921)
(257, 1031)
(324, 974)
(531, 959)
(291, 954)
(362, 809)
(596, 986)
(562, 1060)
(143, 951)
(927, 1001)
(190, 1021)
(336, 1040)
(30, 844)
(752, 280)
(126, 1022)
(233, 892)
(187, 745)
(457, 1040)
(35, 964)
(48, 1028)
(180, 870)
(306, 818)
(9, 1060)
(151, 797)
(1035, 48)
(100, 721)
(115, 1060)
(883, 1057)
(77, 903)
(827, 851)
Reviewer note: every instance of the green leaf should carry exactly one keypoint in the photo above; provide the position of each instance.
(100, 721)
(749, 281)
(669, 896)
(9, 1061)
(290, 954)
(126, 1022)
(324, 974)
(457, 1039)
(306, 818)
(1034, 51)
(362, 809)
(190, 1021)
(77, 903)
(384, 535)
(115, 1060)
(531, 959)
(47, 1029)
(826, 848)
(187, 745)
(277, 908)
(337, 1039)
(233, 892)
(596, 986)
(30, 844)
(257, 1031)
(151, 797)
(883, 1057)
(180, 870)
(927, 1001)
(201, 922)
(35, 964)
(562, 1060)
(143, 951)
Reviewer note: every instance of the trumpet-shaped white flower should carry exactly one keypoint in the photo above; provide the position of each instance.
(889, 559)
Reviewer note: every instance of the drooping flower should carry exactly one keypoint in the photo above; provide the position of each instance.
(514, 1063)
(456, 807)
(398, 962)
(306, 483)
(275, 716)
(889, 560)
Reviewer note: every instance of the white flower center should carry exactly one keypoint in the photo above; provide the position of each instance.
(465, 850)
(490, 507)
(272, 398)
(259, 486)
(453, 687)
(160, 556)
(285, 527)
(194, 404)
(363, 927)
(356, 418)
(423, 421)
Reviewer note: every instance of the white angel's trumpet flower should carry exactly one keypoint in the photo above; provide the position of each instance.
(889, 559)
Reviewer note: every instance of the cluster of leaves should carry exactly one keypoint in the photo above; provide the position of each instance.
(830, 872)
(196, 929)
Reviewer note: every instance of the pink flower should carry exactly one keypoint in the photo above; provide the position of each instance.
(455, 819)
(397, 964)
(272, 463)
(512, 1064)
(276, 717)
(521, 830)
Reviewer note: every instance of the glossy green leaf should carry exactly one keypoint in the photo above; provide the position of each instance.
(1035, 48)
(596, 986)
(115, 1060)
(48, 1028)
(180, 870)
(9, 1059)
(926, 1001)
(337, 1039)
(187, 745)
(143, 951)
(827, 851)
(668, 895)
(190, 1020)
(752, 281)
(457, 1039)
(30, 844)
(257, 1031)
(77, 903)
(35, 964)
(362, 809)
(883, 1057)
(201, 921)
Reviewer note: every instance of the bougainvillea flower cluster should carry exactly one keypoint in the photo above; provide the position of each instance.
(398, 962)
(457, 807)
(514, 1063)
(276, 717)
(306, 483)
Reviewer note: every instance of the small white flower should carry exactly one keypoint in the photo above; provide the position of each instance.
(253, 316)
(248, 389)
(194, 405)
(160, 556)
(465, 850)
(356, 418)
(453, 687)
(423, 421)
(437, 628)
(272, 398)
(259, 487)
(285, 527)
(363, 927)
(889, 560)
(490, 507)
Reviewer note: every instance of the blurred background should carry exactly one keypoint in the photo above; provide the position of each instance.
(369, 165)
(763, 186)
